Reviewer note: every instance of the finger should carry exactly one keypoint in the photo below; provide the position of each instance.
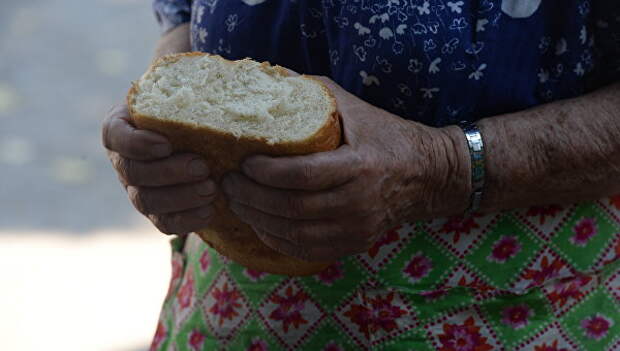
(308, 172)
(172, 199)
(305, 253)
(119, 135)
(183, 222)
(354, 232)
(177, 169)
(296, 204)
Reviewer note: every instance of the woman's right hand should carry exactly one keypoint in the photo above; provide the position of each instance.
(173, 190)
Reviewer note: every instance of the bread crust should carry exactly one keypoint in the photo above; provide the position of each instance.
(224, 153)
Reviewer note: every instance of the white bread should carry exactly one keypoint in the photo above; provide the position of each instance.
(228, 110)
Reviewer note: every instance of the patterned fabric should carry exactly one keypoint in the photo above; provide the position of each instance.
(540, 279)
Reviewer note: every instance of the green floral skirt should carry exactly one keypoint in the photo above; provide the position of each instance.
(539, 279)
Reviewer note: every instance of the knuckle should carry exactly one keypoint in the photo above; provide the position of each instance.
(124, 167)
(138, 199)
(338, 202)
(302, 174)
(296, 207)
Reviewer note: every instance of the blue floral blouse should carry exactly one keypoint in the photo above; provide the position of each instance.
(433, 61)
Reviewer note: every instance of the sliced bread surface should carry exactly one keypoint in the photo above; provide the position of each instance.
(226, 111)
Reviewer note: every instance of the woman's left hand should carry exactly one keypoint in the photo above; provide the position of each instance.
(327, 205)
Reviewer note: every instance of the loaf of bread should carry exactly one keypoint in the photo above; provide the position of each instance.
(226, 111)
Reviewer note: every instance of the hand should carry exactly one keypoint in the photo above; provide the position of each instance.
(323, 206)
(173, 190)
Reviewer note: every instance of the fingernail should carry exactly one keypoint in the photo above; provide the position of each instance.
(205, 189)
(205, 212)
(161, 150)
(198, 168)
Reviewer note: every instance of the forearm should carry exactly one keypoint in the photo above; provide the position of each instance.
(176, 40)
(563, 152)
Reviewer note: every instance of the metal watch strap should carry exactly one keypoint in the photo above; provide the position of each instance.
(476, 153)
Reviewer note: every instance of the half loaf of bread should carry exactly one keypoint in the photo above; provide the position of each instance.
(226, 111)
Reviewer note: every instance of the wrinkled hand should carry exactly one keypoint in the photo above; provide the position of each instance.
(172, 190)
(323, 206)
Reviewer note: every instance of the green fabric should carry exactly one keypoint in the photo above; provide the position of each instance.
(537, 279)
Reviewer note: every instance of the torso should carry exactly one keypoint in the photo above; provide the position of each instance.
(528, 279)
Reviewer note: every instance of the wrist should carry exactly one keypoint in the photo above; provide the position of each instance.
(453, 172)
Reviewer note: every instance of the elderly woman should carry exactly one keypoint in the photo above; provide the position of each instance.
(470, 208)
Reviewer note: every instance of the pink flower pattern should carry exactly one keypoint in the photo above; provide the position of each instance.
(584, 230)
(196, 339)
(418, 267)
(597, 326)
(504, 249)
(331, 274)
(517, 316)
(459, 225)
(205, 260)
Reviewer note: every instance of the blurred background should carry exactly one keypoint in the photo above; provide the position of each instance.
(79, 268)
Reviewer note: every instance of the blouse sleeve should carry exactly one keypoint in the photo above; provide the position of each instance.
(606, 39)
(171, 13)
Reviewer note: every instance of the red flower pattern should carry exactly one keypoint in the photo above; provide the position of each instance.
(463, 337)
(504, 249)
(389, 237)
(196, 339)
(177, 270)
(258, 344)
(597, 326)
(331, 274)
(433, 295)
(459, 225)
(543, 212)
(186, 292)
(205, 260)
(551, 347)
(615, 201)
(547, 271)
(160, 335)
(567, 289)
(517, 316)
(584, 230)
(475, 284)
(253, 274)
(418, 268)
(289, 308)
(381, 314)
(226, 303)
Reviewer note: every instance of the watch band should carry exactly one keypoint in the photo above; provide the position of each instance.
(476, 153)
